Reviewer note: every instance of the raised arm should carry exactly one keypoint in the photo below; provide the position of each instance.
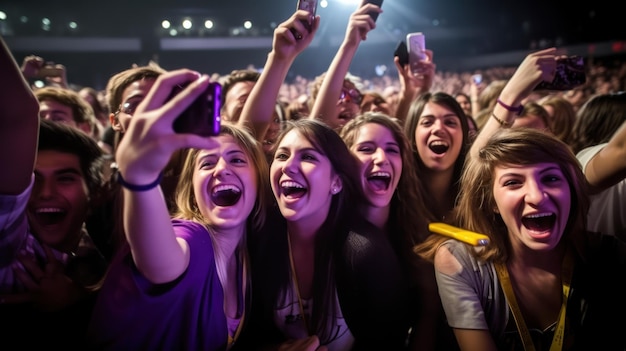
(141, 155)
(608, 166)
(325, 105)
(19, 125)
(412, 85)
(259, 107)
(536, 67)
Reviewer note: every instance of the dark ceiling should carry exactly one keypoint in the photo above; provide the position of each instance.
(453, 28)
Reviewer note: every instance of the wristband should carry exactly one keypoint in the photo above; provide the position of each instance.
(519, 109)
(135, 187)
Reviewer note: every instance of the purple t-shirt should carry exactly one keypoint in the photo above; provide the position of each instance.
(188, 314)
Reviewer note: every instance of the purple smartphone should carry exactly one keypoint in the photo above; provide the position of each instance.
(202, 117)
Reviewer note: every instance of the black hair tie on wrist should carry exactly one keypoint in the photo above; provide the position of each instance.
(135, 187)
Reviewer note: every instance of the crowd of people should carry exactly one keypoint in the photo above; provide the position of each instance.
(303, 224)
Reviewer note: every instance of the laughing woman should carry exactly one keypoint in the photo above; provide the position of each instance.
(329, 278)
(543, 282)
(439, 135)
(182, 283)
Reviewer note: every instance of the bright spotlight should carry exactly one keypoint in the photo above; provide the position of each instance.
(247, 24)
(208, 24)
(3, 15)
(187, 24)
(165, 24)
(73, 25)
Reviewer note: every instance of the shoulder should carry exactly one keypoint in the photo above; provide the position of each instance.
(452, 256)
(585, 155)
(192, 232)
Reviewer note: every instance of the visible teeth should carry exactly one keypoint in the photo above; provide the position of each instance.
(381, 174)
(225, 187)
(439, 142)
(539, 215)
(291, 184)
(48, 210)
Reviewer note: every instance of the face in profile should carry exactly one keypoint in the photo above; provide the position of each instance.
(438, 137)
(534, 202)
(235, 99)
(224, 182)
(302, 180)
(59, 202)
(380, 161)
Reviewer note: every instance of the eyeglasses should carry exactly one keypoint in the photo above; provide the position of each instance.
(128, 107)
(354, 95)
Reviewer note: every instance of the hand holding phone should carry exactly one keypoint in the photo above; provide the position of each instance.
(570, 73)
(416, 44)
(50, 69)
(477, 79)
(379, 3)
(202, 117)
(311, 7)
(402, 52)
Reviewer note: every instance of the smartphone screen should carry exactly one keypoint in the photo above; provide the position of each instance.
(202, 117)
(311, 7)
(570, 73)
(477, 78)
(416, 45)
(379, 3)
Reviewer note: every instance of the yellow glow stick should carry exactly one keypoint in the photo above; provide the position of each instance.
(460, 234)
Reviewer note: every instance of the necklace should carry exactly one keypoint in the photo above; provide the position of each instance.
(296, 286)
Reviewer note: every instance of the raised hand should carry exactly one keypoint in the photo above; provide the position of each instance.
(150, 139)
(47, 288)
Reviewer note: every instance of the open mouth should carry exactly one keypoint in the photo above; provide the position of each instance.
(539, 222)
(439, 147)
(379, 180)
(225, 195)
(346, 116)
(49, 215)
(292, 189)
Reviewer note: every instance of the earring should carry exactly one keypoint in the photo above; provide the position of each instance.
(334, 191)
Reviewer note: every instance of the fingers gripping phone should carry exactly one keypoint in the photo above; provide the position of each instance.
(403, 53)
(202, 117)
(50, 69)
(378, 3)
(416, 45)
(311, 7)
(570, 73)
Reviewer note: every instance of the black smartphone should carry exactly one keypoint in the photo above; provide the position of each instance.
(311, 7)
(570, 73)
(402, 52)
(374, 15)
(202, 117)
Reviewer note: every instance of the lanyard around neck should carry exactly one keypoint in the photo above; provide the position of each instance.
(559, 333)
(297, 287)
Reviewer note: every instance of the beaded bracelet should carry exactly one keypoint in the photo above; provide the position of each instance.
(502, 123)
(519, 109)
(135, 187)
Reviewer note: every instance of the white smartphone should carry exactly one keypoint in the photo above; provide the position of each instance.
(416, 45)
